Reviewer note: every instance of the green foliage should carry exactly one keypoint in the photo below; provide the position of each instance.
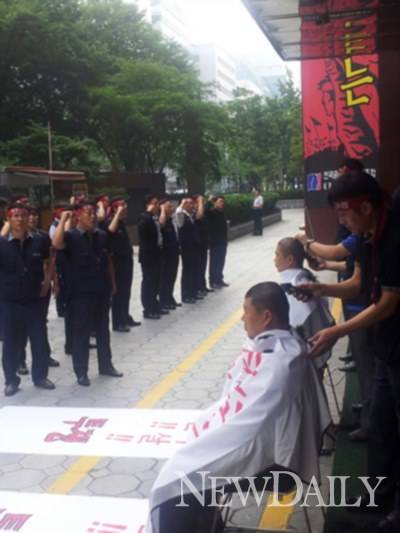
(264, 141)
(238, 207)
(69, 153)
(116, 91)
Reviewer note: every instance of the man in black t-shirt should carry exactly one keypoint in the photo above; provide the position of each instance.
(218, 242)
(122, 252)
(361, 206)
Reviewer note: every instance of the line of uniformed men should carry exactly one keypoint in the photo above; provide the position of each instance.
(87, 259)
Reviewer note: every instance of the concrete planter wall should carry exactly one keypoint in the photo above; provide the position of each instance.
(235, 232)
(295, 203)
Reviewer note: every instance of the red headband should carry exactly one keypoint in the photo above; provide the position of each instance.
(352, 203)
(13, 211)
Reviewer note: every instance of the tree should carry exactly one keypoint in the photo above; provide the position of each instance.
(264, 142)
(68, 153)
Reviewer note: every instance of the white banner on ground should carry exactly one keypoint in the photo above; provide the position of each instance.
(155, 433)
(48, 513)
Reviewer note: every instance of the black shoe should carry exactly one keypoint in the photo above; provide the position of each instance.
(111, 372)
(67, 350)
(122, 329)
(176, 304)
(133, 323)
(169, 307)
(390, 524)
(11, 389)
(153, 316)
(188, 300)
(84, 381)
(216, 286)
(45, 384)
(163, 312)
(209, 290)
(224, 284)
(198, 297)
(23, 369)
(53, 363)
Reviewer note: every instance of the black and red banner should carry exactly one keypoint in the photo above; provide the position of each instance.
(340, 97)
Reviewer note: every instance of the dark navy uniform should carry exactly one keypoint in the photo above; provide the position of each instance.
(189, 241)
(44, 305)
(21, 277)
(202, 255)
(122, 252)
(218, 243)
(150, 244)
(169, 264)
(88, 296)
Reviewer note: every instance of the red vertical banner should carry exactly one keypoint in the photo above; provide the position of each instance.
(340, 96)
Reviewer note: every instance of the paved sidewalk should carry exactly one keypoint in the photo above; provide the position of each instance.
(146, 355)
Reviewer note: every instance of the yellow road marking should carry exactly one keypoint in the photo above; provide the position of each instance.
(278, 517)
(80, 468)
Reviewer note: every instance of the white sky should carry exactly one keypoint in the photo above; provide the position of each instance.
(229, 24)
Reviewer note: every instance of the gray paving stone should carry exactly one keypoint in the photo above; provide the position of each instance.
(41, 462)
(23, 479)
(114, 485)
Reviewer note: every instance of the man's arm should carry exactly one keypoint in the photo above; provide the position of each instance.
(344, 290)
(385, 307)
(113, 226)
(200, 208)
(101, 212)
(333, 252)
(163, 216)
(58, 239)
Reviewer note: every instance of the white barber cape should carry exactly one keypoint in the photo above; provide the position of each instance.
(272, 412)
(311, 316)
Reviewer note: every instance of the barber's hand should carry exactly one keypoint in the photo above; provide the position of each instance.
(314, 289)
(323, 341)
(302, 237)
(316, 263)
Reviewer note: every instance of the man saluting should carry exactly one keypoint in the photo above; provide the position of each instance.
(90, 283)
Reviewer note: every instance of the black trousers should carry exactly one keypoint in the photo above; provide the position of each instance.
(363, 352)
(384, 437)
(257, 217)
(61, 298)
(217, 263)
(151, 271)
(189, 272)
(202, 258)
(44, 308)
(21, 321)
(168, 518)
(169, 271)
(120, 302)
(85, 313)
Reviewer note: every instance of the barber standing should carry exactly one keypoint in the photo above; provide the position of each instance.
(90, 284)
(24, 280)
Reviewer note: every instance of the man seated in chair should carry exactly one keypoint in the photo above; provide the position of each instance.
(272, 412)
